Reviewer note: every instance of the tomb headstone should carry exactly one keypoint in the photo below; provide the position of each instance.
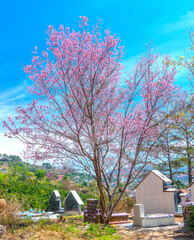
(91, 212)
(73, 202)
(157, 194)
(54, 201)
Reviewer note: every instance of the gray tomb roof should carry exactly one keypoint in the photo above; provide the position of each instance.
(54, 203)
(162, 176)
(56, 194)
(76, 197)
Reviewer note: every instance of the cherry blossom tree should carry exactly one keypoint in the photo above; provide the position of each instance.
(82, 116)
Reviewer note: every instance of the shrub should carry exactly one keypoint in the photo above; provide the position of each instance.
(9, 213)
(191, 220)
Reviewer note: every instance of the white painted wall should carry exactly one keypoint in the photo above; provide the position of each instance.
(150, 193)
(192, 192)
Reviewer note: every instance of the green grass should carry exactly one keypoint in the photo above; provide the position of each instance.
(100, 231)
(73, 227)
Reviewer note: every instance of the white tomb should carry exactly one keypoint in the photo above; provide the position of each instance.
(156, 194)
(151, 220)
(191, 186)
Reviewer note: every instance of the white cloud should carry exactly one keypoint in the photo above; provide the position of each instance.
(175, 46)
(11, 94)
(10, 146)
(185, 22)
(9, 100)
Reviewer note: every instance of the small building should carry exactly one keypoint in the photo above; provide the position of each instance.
(157, 194)
(73, 202)
(54, 203)
(191, 186)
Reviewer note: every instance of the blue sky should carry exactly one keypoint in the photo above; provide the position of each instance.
(23, 26)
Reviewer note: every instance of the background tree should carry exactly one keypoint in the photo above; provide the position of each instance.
(23, 172)
(81, 115)
(166, 155)
(186, 63)
(183, 123)
(47, 165)
(15, 158)
(39, 174)
(175, 147)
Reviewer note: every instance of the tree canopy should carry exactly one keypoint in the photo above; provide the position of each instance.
(86, 112)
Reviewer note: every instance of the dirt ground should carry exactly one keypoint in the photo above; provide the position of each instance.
(147, 234)
(174, 232)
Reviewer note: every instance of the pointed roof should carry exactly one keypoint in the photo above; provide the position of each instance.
(56, 194)
(184, 191)
(162, 176)
(76, 197)
(158, 174)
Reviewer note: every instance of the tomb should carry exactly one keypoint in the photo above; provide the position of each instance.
(54, 203)
(92, 214)
(189, 201)
(182, 193)
(157, 194)
(151, 220)
(191, 187)
(72, 203)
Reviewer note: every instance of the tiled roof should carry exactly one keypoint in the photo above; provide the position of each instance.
(183, 190)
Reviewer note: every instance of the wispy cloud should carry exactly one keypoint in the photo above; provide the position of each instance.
(185, 22)
(9, 99)
(175, 46)
(11, 93)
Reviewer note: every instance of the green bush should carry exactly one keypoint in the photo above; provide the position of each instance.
(191, 219)
(34, 194)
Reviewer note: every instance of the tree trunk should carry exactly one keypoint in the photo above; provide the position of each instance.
(169, 162)
(189, 160)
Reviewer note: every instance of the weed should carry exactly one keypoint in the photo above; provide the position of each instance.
(11, 230)
(109, 230)
(8, 213)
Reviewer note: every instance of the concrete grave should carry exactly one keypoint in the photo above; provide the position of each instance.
(151, 220)
(157, 194)
(54, 201)
(191, 187)
(73, 203)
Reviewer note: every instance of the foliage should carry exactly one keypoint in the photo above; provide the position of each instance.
(39, 174)
(34, 195)
(47, 165)
(175, 147)
(191, 219)
(179, 184)
(186, 63)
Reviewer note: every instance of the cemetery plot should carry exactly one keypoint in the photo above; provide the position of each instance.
(72, 203)
(55, 201)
